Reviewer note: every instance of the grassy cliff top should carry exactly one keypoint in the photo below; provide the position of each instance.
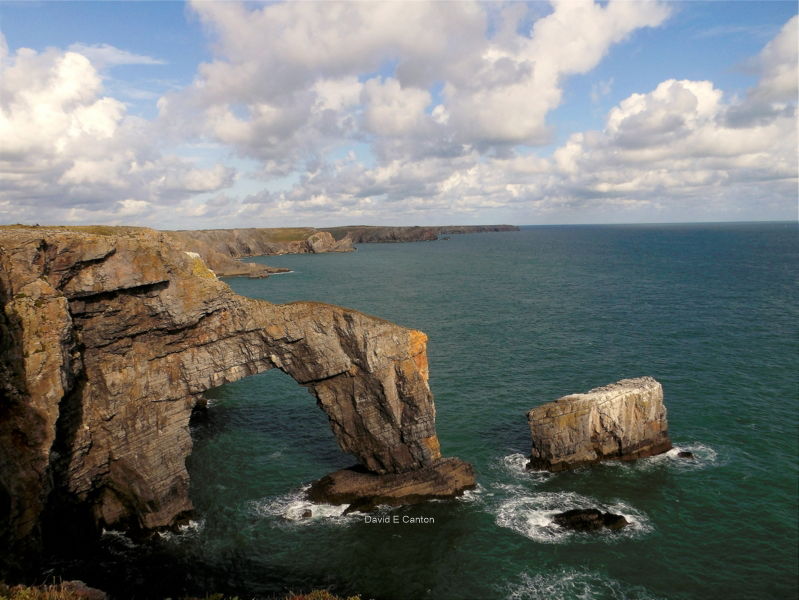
(95, 229)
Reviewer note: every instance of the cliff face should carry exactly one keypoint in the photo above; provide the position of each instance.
(107, 343)
(220, 247)
(367, 234)
(625, 420)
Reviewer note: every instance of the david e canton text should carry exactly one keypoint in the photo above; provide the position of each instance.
(398, 519)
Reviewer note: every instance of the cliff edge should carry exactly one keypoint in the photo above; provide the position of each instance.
(107, 342)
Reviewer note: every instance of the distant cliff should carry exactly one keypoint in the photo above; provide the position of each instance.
(109, 337)
(366, 234)
(220, 248)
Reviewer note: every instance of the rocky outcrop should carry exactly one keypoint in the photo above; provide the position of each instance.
(590, 519)
(107, 342)
(363, 490)
(624, 421)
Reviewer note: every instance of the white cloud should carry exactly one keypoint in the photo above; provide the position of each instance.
(106, 55)
(67, 149)
(392, 110)
(776, 91)
(666, 154)
(271, 91)
(450, 115)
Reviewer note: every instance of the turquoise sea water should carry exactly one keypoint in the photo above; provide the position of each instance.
(516, 320)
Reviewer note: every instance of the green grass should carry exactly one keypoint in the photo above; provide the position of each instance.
(95, 229)
(288, 234)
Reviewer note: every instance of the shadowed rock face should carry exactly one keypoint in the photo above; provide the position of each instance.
(107, 343)
(625, 420)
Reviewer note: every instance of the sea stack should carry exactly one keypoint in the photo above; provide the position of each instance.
(625, 420)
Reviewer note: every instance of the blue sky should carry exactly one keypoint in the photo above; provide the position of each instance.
(217, 114)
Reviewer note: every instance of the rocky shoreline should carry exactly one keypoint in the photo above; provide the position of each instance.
(110, 336)
(108, 340)
(221, 248)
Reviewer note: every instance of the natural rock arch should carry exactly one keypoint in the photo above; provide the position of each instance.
(109, 341)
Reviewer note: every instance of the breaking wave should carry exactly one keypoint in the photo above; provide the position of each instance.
(516, 465)
(574, 584)
(531, 515)
(294, 507)
(703, 457)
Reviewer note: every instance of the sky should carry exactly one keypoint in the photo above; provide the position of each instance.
(249, 114)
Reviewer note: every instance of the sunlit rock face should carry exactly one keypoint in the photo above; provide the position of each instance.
(624, 421)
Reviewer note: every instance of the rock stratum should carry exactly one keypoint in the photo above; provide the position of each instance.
(625, 420)
(108, 340)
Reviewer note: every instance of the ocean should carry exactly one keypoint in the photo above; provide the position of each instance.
(515, 320)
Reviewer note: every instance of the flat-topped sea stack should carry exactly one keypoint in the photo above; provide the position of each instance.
(625, 420)
(108, 339)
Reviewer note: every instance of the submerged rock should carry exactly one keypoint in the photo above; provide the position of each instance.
(624, 421)
(685, 454)
(590, 519)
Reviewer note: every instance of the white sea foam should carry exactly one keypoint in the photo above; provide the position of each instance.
(573, 584)
(704, 456)
(293, 507)
(516, 465)
(476, 495)
(189, 529)
(532, 516)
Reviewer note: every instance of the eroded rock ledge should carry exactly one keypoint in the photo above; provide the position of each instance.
(623, 421)
(107, 343)
(363, 490)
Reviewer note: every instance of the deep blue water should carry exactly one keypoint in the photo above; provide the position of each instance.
(516, 320)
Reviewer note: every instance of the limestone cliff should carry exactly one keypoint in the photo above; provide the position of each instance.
(367, 234)
(625, 420)
(220, 247)
(107, 343)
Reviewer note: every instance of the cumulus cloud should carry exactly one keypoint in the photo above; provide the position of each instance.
(445, 104)
(267, 91)
(683, 146)
(679, 150)
(777, 89)
(68, 151)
